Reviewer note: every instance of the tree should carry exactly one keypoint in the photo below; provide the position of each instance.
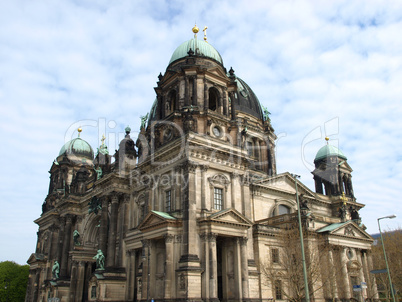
(393, 246)
(284, 268)
(13, 281)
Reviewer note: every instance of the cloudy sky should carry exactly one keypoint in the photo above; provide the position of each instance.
(320, 67)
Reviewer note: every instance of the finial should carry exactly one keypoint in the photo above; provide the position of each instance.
(103, 139)
(79, 131)
(205, 33)
(128, 130)
(195, 30)
(327, 139)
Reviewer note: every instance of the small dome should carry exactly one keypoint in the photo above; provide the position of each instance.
(199, 48)
(77, 147)
(327, 151)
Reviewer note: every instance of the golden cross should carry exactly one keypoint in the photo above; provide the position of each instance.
(205, 33)
(344, 198)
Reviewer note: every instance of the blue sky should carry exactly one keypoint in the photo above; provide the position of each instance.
(320, 67)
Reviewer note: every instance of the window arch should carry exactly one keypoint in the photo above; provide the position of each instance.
(219, 184)
(213, 97)
(170, 104)
(282, 207)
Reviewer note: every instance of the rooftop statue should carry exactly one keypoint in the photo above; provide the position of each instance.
(100, 260)
(76, 237)
(144, 120)
(56, 270)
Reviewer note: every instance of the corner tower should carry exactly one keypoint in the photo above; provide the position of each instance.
(332, 173)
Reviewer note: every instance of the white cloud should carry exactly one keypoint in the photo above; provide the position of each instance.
(71, 62)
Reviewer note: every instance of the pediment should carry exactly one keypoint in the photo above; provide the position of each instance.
(217, 72)
(230, 217)
(346, 229)
(35, 257)
(286, 183)
(156, 219)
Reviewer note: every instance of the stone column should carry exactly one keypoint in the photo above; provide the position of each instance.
(66, 246)
(80, 281)
(190, 236)
(145, 268)
(238, 269)
(234, 177)
(195, 94)
(111, 251)
(225, 102)
(186, 92)
(334, 289)
(60, 238)
(104, 225)
(372, 278)
(345, 275)
(213, 267)
(73, 281)
(205, 266)
(204, 168)
(205, 94)
(244, 267)
(233, 107)
(170, 273)
(361, 271)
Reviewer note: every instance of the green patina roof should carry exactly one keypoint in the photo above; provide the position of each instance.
(164, 215)
(331, 227)
(78, 147)
(329, 150)
(199, 47)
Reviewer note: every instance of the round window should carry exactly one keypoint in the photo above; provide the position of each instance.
(217, 131)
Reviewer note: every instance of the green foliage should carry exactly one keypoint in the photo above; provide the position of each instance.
(15, 277)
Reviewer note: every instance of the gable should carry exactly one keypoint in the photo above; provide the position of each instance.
(156, 219)
(286, 183)
(346, 229)
(229, 216)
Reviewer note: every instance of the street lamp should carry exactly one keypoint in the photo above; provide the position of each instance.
(385, 255)
(306, 290)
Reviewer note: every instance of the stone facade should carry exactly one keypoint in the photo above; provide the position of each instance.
(193, 209)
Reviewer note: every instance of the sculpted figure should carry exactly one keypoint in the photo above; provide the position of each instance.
(76, 237)
(100, 260)
(56, 270)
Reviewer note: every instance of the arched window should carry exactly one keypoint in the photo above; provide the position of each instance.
(213, 99)
(282, 209)
(170, 104)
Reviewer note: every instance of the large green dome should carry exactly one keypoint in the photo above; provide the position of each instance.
(327, 151)
(77, 147)
(199, 47)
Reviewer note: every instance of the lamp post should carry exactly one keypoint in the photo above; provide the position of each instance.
(385, 255)
(306, 290)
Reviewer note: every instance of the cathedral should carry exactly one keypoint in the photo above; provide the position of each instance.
(194, 209)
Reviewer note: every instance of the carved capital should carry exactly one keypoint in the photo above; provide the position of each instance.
(169, 238)
(190, 167)
(204, 168)
(243, 241)
(212, 237)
